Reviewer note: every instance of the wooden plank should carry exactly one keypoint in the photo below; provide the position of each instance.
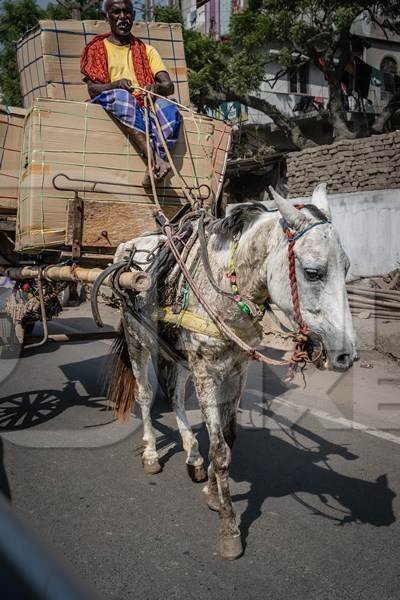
(7, 224)
(108, 224)
(77, 217)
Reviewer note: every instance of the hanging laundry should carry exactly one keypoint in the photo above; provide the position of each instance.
(362, 78)
(376, 77)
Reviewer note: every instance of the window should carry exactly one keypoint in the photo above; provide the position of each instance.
(389, 65)
(298, 81)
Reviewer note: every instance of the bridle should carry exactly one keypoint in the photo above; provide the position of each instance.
(300, 355)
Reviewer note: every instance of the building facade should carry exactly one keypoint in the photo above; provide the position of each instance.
(305, 93)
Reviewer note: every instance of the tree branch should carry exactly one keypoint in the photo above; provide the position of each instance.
(375, 20)
(386, 114)
(287, 126)
(65, 4)
(275, 79)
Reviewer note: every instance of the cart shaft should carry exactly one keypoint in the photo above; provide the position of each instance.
(133, 280)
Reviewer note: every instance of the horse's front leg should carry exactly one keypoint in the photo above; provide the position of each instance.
(230, 393)
(217, 412)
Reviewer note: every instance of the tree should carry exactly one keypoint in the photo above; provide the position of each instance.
(16, 17)
(77, 9)
(310, 32)
(317, 32)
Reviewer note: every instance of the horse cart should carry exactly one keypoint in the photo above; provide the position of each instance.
(82, 214)
(71, 180)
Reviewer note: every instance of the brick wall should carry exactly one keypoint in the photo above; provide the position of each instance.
(371, 163)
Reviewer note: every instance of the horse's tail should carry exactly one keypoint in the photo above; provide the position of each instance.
(121, 381)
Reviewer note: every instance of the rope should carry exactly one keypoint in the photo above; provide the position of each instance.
(186, 108)
(303, 329)
(167, 152)
(4, 140)
(149, 154)
(195, 115)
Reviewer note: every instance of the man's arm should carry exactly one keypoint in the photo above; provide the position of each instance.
(163, 85)
(95, 89)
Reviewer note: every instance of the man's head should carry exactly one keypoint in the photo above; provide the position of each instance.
(120, 15)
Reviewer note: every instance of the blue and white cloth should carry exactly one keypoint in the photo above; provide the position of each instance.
(130, 112)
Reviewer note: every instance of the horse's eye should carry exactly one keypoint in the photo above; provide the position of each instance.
(312, 274)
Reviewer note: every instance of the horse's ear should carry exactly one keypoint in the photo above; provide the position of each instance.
(293, 216)
(320, 200)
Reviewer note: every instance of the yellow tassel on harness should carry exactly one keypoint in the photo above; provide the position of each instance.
(195, 323)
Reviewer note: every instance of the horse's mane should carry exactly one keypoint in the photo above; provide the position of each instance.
(244, 216)
(240, 219)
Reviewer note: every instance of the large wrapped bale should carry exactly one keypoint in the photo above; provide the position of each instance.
(11, 134)
(79, 147)
(48, 57)
(222, 144)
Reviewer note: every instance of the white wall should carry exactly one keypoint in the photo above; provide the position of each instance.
(279, 95)
(368, 225)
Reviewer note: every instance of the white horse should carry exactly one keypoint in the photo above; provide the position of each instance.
(218, 366)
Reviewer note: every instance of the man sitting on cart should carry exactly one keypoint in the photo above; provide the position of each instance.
(117, 67)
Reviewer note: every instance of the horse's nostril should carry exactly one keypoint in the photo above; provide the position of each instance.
(342, 361)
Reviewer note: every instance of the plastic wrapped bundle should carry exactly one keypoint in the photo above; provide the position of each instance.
(11, 133)
(48, 57)
(78, 147)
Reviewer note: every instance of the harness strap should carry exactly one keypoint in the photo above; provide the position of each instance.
(225, 329)
(254, 310)
(196, 323)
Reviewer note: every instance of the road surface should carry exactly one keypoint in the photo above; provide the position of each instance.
(315, 482)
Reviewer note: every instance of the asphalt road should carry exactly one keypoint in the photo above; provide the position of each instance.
(315, 481)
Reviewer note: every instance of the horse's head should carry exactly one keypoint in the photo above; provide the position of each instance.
(321, 267)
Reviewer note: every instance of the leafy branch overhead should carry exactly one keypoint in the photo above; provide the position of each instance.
(292, 33)
(298, 32)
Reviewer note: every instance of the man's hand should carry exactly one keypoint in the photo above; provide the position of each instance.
(123, 84)
(97, 88)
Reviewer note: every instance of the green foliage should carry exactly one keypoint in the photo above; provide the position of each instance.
(203, 55)
(16, 17)
(303, 31)
(168, 14)
(57, 11)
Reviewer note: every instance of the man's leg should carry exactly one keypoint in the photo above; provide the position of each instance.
(126, 109)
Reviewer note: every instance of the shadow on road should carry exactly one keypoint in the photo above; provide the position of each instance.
(28, 409)
(275, 467)
(4, 485)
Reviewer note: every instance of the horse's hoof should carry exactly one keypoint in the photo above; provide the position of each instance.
(230, 547)
(197, 473)
(151, 467)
